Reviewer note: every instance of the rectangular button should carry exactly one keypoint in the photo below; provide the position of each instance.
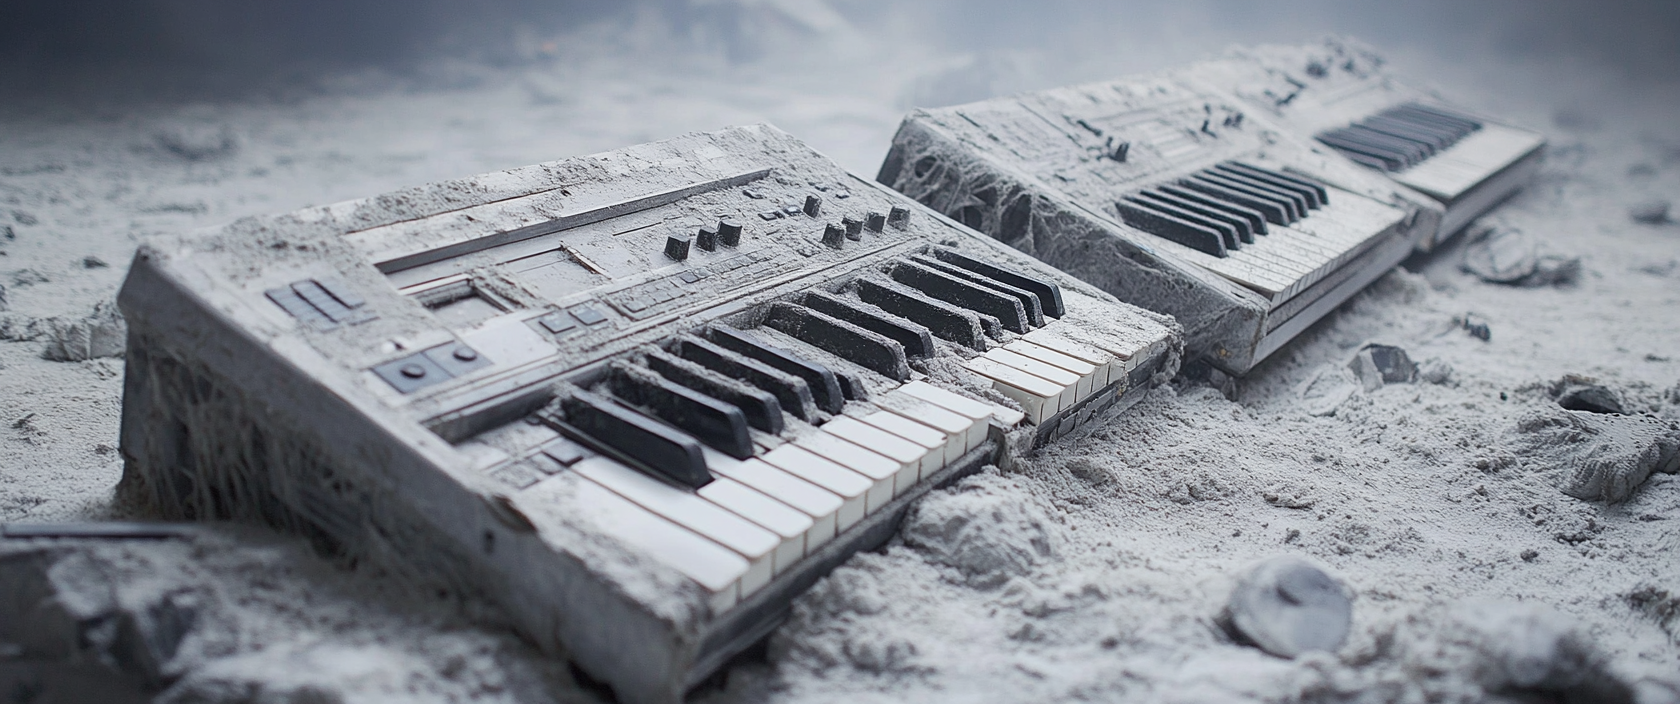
(821, 505)
(878, 470)
(712, 566)
(1038, 397)
(853, 488)
(908, 455)
(939, 448)
(690, 511)
(967, 432)
(768, 513)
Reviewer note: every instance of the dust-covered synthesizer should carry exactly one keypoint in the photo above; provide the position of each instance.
(1169, 195)
(1343, 95)
(642, 399)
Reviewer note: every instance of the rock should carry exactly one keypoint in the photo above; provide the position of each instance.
(1599, 457)
(1287, 606)
(101, 334)
(1653, 212)
(1580, 393)
(1476, 326)
(198, 142)
(93, 262)
(1435, 371)
(28, 277)
(1525, 648)
(1501, 255)
(1376, 365)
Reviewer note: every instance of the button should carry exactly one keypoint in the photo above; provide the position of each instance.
(899, 217)
(465, 354)
(729, 232)
(557, 323)
(706, 239)
(750, 193)
(676, 246)
(587, 315)
(834, 235)
(413, 371)
(790, 209)
(689, 277)
(563, 451)
(769, 215)
(813, 205)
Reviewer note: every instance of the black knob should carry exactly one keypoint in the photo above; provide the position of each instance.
(412, 371)
(465, 354)
(706, 239)
(813, 205)
(834, 235)
(676, 247)
(729, 232)
(874, 221)
(854, 228)
(899, 217)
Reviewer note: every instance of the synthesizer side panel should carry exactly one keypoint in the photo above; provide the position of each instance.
(1168, 195)
(642, 399)
(1341, 93)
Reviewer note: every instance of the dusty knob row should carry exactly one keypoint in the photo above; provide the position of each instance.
(850, 228)
(726, 233)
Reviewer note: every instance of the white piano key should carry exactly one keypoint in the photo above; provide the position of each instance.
(881, 471)
(961, 405)
(1086, 372)
(1060, 377)
(909, 456)
(768, 513)
(1039, 398)
(851, 487)
(1109, 368)
(1471, 160)
(714, 567)
(687, 509)
(936, 446)
(821, 505)
(968, 432)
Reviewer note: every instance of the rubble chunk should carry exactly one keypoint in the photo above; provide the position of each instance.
(1287, 606)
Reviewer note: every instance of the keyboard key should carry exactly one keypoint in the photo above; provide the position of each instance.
(955, 291)
(966, 433)
(825, 389)
(853, 488)
(961, 405)
(939, 448)
(866, 349)
(915, 339)
(1039, 398)
(1067, 381)
(879, 471)
(714, 567)
(791, 391)
(653, 446)
(716, 423)
(1029, 300)
(762, 409)
(786, 522)
(1049, 294)
(820, 505)
(940, 318)
(910, 457)
(1086, 372)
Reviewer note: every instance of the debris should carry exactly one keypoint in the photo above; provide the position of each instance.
(1654, 212)
(1328, 389)
(101, 334)
(4, 304)
(197, 142)
(1506, 255)
(28, 277)
(1376, 365)
(1581, 393)
(1600, 457)
(1435, 371)
(1477, 326)
(1287, 606)
(24, 218)
(1529, 650)
(93, 262)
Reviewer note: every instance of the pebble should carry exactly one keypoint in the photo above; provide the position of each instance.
(1501, 256)
(1476, 326)
(93, 262)
(1650, 212)
(1579, 393)
(1287, 606)
(1376, 365)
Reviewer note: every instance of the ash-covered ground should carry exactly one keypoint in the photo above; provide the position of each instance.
(1096, 570)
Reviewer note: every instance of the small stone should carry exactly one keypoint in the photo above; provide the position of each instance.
(1435, 371)
(93, 262)
(1476, 326)
(1376, 365)
(1580, 393)
(1501, 255)
(28, 277)
(1554, 270)
(1650, 212)
(101, 334)
(1287, 606)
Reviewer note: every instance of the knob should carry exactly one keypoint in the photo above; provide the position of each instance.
(874, 221)
(854, 228)
(899, 217)
(706, 239)
(729, 232)
(834, 235)
(813, 205)
(676, 247)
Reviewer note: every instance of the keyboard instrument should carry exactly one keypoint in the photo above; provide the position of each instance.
(1341, 94)
(1169, 196)
(642, 399)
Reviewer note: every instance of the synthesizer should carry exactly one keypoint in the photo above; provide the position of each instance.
(1341, 94)
(1169, 196)
(641, 399)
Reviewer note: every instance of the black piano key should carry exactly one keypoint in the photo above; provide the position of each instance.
(1293, 203)
(1029, 300)
(1373, 144)
(640, 441)
(1227, 233)
(762, 409)
(1168, 227)
(721, 425)
(1256, 220)
(854, 344)
(1384, 159)
(1436, 137)
(915, 339)
(1371, 161)
(1453, 131)
(791, 391)
(955, 291)
(940, 318)
(825, 390)
(1320, 192)
(1272, 210)
(1304, 200)
(1414, 150)
(1308, 193)
(852, 387)
(1049, 294)
(1240, 226)
(1439, 115)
